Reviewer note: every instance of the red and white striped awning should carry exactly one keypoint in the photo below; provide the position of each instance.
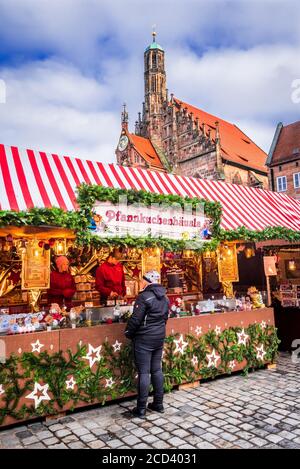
(30, 178)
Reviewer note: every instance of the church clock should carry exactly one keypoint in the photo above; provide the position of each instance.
(123, 142)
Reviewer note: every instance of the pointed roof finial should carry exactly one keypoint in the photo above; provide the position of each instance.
(154, 32)
(217, 131)
(124, 117)
(154, 44)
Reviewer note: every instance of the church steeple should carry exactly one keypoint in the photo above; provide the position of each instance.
(155, 90)
(124, 118)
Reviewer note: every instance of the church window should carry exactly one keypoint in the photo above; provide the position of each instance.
(237, 178)
(153, 85)
(154, 60)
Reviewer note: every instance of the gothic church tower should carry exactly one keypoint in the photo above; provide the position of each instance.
(150, 126)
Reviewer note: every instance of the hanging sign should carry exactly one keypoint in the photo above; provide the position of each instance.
(35, 267)
(151, 260)
(270, 265)
(110, 220)
(227, 264)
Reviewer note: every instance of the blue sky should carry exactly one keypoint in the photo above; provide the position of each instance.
(68, 66)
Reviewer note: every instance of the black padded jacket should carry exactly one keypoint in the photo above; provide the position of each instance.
(150, 314)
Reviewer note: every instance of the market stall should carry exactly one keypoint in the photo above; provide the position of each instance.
(217, 325)
(283, 259)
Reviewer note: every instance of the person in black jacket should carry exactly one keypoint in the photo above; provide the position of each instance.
(147, 329)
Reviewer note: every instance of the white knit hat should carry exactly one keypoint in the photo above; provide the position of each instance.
(152, 276)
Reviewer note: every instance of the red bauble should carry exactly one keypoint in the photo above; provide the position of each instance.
(41, 244)
(51, 242)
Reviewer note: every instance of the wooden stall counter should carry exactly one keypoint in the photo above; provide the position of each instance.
(50, 372)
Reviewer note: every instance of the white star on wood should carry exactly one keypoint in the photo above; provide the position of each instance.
(117, 346)
(232, 364)
(260, 352)
(213, 358)
(1, 389)
(218, 330)
(194, 360)
(39, 398)
(198, 330)
(109, 383)
(242, 337)
(180, 345)
(36, 346)
(263, 324)
(92, 351)
(70, 383)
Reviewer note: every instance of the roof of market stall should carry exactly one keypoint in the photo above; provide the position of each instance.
(30, 178)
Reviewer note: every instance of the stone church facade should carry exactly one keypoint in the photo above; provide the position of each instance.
(174, 136)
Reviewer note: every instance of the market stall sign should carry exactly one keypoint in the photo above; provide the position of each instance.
(270, 266)
(157, 220)
(35, 267)
(151, 260)
(227, 263)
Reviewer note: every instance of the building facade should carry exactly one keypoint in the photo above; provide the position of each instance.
(174, 136)
(284, 160)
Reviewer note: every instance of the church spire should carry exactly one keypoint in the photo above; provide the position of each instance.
(155, 91)
(124, 118)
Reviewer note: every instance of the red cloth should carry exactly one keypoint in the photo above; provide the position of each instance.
(62, 286)
(109, 278)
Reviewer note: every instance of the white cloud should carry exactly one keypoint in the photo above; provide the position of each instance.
(52, 106)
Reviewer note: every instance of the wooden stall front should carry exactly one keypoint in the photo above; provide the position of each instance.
(93, 364)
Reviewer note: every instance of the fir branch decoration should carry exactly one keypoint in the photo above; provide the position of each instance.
(19, 373)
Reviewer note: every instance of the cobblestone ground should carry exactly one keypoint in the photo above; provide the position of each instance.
(260, 411)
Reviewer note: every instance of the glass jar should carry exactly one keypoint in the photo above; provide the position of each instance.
(117, 312)
(73, 318)
(88, 317)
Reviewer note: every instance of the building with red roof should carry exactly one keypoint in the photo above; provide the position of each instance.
(174, 136)
(284, 160)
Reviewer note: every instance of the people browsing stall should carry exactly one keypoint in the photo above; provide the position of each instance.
(147, 329)
(110, 277)
(62, 284)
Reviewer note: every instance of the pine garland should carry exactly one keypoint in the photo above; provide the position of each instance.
(87, 195)
(18, 373)
(268, 233)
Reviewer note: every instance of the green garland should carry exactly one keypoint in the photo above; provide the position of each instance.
(89, 194)
(43, 216)
(18, 373)
(170, 245)
(79, 221)
(269, 233)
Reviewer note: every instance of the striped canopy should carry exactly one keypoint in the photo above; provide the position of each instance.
(30, 178)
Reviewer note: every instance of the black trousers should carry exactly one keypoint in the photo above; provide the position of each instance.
(148, 357)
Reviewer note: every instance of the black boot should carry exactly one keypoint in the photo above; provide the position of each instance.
(156, 408)
(140, 413)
